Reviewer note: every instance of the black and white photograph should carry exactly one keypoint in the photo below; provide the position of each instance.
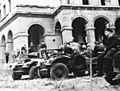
(59, 45)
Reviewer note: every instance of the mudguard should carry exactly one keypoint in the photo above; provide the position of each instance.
(79, 62)
(59, 59)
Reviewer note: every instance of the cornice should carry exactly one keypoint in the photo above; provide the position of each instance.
(85, 7)
(34, 6)
(17, 13)
(19, 34)
(54, 11)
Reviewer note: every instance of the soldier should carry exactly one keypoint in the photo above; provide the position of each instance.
(42, 49)
(75, 46)
(116, 65)
(23, 49)
(31, 48)
(99, 48)
(105, 60)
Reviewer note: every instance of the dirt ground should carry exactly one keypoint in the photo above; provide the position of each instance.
(70, 84)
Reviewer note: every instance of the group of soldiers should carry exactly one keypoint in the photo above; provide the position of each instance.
(110, 57)
(109, 52)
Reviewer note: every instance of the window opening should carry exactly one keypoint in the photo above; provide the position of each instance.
(85, 2)
(102, 2)
(119, 2)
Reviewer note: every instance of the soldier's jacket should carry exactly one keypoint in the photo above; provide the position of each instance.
(112, 42)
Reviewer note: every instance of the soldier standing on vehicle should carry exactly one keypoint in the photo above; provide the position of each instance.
(18, 52)
(31, 48)
(67, 49)
(23, 49)
(42, 49)
(75, 46)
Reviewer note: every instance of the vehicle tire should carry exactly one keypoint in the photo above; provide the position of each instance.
(33, 72)
(16, 75)
(42, 73)
(39, 73)
(109, 78)
(78, 63)
(59, 71)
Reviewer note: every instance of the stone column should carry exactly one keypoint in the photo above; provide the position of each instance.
(91, 2)
(2, 53)
(19, 40)
(9, 46)
(114, 2)
(99, 2)
(9, 49)
(107, 2)
(95, 2)
(63, 2)
(77, 2)
(90, 35)
(2, 56)
(81, 2)
(2, 12)
(67, 34)
(7, 7)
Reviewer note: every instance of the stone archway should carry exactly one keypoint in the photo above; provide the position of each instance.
(58, 34)
(117, 27)
(3, 48)
(100, 25)
(35, 37)
(79, 33)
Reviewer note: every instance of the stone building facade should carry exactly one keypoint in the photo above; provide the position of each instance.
(23, 22)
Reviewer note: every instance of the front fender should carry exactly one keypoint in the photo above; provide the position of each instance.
(27, 65)
(61, 59)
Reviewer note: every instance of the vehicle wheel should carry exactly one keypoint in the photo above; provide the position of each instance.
(33, 72)
(39, 73)
(43, 73)
(79, 74)
(16, 76)
(109, 78)
(78, 63)
(59, 71)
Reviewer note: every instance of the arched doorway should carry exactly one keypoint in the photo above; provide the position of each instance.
(117, 25)
(78, 31)
(58, 34)
(10, 42)
(3, 48)
(35, 37)
(100, 25)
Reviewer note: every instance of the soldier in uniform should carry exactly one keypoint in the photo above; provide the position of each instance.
(105, 60)
(42, 49)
